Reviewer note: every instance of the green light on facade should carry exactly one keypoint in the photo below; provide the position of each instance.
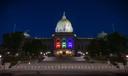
(63, 45)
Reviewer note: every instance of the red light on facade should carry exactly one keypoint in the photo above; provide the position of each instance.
(58, 45)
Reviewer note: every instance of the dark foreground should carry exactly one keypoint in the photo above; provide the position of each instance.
(64, 69)
(92, 74)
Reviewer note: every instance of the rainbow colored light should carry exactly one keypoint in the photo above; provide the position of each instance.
(64, 43)
(58, 44)
(70, 43)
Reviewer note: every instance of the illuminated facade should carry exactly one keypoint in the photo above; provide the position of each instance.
(62, 43)
(64, 38)
(64, 25)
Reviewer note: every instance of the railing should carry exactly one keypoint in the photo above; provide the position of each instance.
(66, 67)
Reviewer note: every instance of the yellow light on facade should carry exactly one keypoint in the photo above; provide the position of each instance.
(67, 52)
(60, 52)
(57, 52)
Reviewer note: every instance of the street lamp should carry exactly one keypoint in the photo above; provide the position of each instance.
(86, 52)
(83, 54)
(29, 62)
(44, 54)
(127, 58)
(41, 52)
(8, 52)
(17, 54)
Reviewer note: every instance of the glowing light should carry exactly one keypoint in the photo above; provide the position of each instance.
(0, 56)
(17, 54)
(86, 52)
(83, 54)
(26, 34)
(61, 52)
(41, 52)
(57, 43)
(29, 62)
(57, 52)
(57, 46)
(68, 52)
(44, 54)
(126, 56)
(8, 52)
(63, 44)
(48, 52)
(64, 25)
(70, 43)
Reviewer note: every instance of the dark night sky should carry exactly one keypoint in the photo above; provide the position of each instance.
(39, 17)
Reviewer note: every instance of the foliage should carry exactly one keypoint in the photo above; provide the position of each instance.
(110, 44)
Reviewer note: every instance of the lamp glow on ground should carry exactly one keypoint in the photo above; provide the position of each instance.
(0, 56)
(126, 56)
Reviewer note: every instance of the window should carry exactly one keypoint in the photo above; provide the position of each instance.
(58, 44)
(70, 43)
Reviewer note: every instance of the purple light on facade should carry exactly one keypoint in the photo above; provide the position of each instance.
(70, 43)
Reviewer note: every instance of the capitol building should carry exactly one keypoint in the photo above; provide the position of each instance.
(63, 42)
(23, 54)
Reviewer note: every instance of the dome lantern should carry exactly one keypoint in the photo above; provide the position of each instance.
(64, 17)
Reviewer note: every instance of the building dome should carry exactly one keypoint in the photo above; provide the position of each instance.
(102, 34)
(64, 25)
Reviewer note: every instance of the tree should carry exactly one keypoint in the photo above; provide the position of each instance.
(98, 47)
(117, 43)
(13, 41)
(114, 44)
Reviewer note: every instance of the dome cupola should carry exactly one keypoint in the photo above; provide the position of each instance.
(64, 25)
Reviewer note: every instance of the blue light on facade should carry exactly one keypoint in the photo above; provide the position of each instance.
(70, 43)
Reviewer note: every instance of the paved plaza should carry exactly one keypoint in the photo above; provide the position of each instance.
(64, 67)
(64, 59)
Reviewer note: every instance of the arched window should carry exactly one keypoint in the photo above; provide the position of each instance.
(70, 43)
(64, 43)
(58, 43)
